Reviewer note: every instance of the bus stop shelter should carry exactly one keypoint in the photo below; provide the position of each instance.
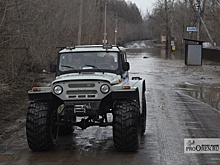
(193, 52)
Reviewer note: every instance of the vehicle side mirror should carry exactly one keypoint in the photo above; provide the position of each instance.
(53, 67)
(126, 66)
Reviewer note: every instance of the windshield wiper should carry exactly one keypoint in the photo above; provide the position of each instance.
(92, 66)
(96, 67)
(67, 66)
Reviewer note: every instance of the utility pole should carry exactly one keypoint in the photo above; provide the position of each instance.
(98, 3)
(200, 20)
(105, 22)
(207, 31)
(197, 5)
(80, 23)
(168, 29)
(116, 29)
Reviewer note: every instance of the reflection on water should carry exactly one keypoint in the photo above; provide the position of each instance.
(205, 93)
(157, 63)
(157, 52)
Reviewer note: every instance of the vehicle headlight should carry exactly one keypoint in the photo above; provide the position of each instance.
(58, 90)
(105, 88)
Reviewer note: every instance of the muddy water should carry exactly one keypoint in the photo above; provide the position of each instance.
(204, 84)
(158, 53)
(205, 92)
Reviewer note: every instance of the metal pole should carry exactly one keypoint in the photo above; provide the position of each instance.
(116, 29)
(207, 31)
(168, 33)
(197, 6)
(80, 22)
(198, 30)
(105, 20)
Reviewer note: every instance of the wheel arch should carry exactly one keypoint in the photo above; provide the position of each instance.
(126, 94)
(141, 86)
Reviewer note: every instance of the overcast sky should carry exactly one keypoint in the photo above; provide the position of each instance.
(143, 5)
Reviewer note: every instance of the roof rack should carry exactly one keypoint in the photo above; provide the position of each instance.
(70, 47)
(92, 46)
(107, 46)
(65, 47)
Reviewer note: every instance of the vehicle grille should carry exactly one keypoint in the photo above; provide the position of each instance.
(87, 85)
(78, 92)
(81, 90)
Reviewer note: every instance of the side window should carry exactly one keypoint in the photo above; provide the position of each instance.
(125, 57)
(125, 74)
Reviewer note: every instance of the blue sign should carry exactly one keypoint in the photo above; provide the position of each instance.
(191, 29)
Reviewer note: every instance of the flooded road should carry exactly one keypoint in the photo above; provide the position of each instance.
(182, 102)
(200, 82)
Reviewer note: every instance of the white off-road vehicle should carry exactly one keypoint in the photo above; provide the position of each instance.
(91, 88)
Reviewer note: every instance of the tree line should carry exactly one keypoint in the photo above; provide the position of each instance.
(31, 30)
(172, 17)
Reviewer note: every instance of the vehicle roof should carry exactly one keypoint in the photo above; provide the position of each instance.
(89, 48)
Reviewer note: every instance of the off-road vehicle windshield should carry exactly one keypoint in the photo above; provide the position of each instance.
(79, 61)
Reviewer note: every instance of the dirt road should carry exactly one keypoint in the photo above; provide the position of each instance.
(172, 115)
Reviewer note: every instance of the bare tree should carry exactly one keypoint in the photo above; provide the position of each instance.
(31, 30)
(173, 17)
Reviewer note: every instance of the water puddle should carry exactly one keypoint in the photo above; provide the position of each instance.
(156, 53)
(207, 93)
(6, 157)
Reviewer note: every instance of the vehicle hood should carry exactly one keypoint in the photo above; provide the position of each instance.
(110, 77)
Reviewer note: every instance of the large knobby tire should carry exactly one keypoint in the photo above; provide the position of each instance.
(41, 128)
(126, 126)
(143, 115)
